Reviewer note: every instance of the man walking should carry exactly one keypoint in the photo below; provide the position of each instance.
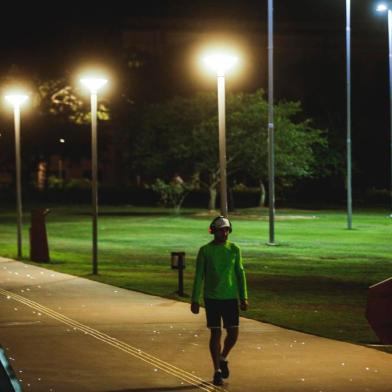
(219, 266)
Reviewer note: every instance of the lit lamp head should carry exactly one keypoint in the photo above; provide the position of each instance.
(383, 7)
(16, 100)
(177, 260)
(220, 62)
(93, 83)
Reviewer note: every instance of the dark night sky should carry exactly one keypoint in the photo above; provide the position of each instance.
(31, 32)
(55, 37)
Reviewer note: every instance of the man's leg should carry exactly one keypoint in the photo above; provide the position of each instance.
(213, 313)
(215, 346)
(230, 340)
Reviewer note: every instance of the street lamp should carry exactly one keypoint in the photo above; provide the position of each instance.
(93, 84)
(271, 126)
(220, 63)
(60, 162)
(16, 100)
(348, 103)
(387, 7)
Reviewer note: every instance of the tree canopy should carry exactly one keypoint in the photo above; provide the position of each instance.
(180, 135)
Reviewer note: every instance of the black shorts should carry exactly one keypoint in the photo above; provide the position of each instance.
(218, 309)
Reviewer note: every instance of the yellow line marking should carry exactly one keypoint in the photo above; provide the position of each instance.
(143, 356)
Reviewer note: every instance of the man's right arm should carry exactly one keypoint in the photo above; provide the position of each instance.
(198, 281)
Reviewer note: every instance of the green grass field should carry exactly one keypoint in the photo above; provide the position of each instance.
(315, 280)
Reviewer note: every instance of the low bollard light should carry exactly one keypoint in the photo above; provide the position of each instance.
(178, 263)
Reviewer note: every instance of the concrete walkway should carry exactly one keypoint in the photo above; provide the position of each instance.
(64, 333)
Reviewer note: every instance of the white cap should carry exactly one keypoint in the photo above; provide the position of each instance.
(221, 222)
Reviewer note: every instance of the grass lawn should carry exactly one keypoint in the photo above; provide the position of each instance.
(315, 280)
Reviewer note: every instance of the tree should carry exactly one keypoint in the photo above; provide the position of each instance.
(181, 134)
(298, 146)
(173, 193)
(55, 111)
(177, 135)
(63, 112)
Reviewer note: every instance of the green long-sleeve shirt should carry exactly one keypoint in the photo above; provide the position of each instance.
(220, 267)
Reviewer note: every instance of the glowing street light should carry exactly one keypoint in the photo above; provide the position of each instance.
(220, 63)
(93, 84)
(382, 7)
(16, 100)
(387, 7)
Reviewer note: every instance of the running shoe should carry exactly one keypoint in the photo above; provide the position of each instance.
(225, 369)
(217, 379)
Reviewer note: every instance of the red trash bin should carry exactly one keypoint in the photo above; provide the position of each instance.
(39, 250)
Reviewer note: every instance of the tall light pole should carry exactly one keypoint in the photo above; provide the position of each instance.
(60, 162)
(16, 100)
(348, 102)
(220, 63)
(271, 126)
(387, 7)
(94, 84)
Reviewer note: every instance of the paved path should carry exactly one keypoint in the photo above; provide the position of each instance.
(64, 333)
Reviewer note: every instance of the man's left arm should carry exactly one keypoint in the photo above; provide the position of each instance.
(241, 279)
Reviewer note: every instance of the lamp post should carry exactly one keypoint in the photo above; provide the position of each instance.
(220, 63)
(93, 84)
(16, 100)
(60, 163)
(271, 126)
(387, 7)
(348, 102)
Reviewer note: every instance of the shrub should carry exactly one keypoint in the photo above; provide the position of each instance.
(172, 194)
